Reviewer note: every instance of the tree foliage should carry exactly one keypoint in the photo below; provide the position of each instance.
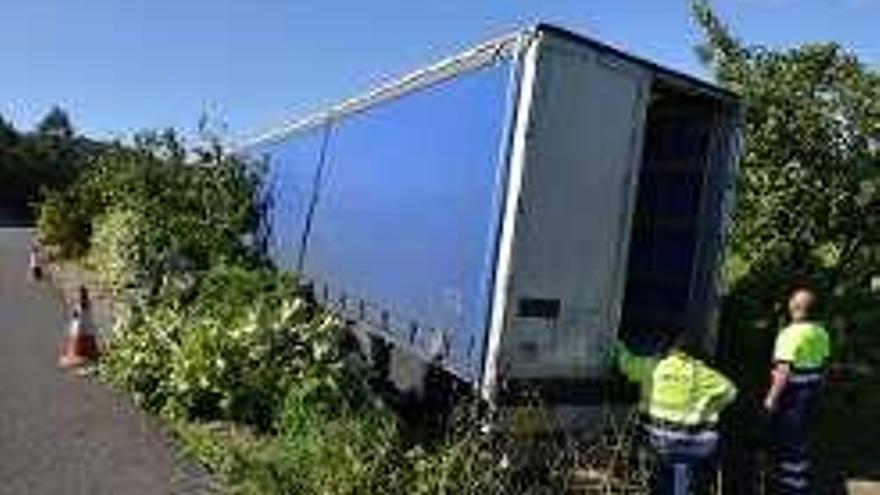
(56, 124)
(50, 157)
(153, 208)
(808, 211)
(809, 188)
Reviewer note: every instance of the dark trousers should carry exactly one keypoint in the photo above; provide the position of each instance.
(789, 428)
(683, 466)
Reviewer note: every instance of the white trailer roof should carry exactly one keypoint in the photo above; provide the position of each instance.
(479, 56)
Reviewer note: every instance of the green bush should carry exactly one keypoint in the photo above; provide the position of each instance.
(194, 204)
(63, 224)
(462, 465)
(341, 453)
(245, 350)
(228, 353)
(118, 251)
(213, 336)
(138, 355)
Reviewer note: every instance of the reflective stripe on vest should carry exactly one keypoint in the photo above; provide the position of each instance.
(799, 378)
(662, 424)
(705, 436)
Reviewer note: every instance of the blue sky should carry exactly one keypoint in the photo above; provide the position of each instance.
(122, 65)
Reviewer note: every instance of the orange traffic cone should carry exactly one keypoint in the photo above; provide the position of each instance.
(80, 346)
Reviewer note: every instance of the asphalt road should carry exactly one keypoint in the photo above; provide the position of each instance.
(60, 433)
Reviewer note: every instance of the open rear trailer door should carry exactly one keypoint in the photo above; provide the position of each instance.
(576, 150)
(617, 209)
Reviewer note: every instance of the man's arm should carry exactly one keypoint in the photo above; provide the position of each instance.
(778, 380)
(720, 390)
(635, 368)
(784, 352)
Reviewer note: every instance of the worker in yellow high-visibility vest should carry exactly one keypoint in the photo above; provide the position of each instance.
(681, 400)
(799, 359)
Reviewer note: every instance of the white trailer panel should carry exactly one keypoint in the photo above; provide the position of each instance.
(582, 152)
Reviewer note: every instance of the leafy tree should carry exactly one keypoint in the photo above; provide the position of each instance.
(156, 207)
(808, 204)
(9, 139)
(57, 124)
(50, 157)
(809, 188)
(8, 135)
(11, 177)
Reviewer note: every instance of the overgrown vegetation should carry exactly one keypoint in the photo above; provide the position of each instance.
(256, 380)
(153, 208)
(808, 212)
(809, 184)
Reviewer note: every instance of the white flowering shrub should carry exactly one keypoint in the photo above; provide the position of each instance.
(118, 251)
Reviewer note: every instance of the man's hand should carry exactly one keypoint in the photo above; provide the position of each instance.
(769, 404)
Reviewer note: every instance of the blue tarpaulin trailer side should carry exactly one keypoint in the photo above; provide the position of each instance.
(408, 213)
(508, 212)
(406, 197)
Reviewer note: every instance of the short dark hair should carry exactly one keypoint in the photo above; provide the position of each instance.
(686, 340)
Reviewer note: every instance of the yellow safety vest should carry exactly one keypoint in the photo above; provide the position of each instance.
(806, 347)
(678, 389)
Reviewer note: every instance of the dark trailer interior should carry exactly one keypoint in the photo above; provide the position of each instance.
(680, 217)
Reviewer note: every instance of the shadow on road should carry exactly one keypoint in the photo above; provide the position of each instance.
(10, 217)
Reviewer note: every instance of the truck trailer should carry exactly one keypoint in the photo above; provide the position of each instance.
(507, 213)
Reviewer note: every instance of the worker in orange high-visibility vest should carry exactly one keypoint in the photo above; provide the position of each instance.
(799, 360)
(681, 400)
